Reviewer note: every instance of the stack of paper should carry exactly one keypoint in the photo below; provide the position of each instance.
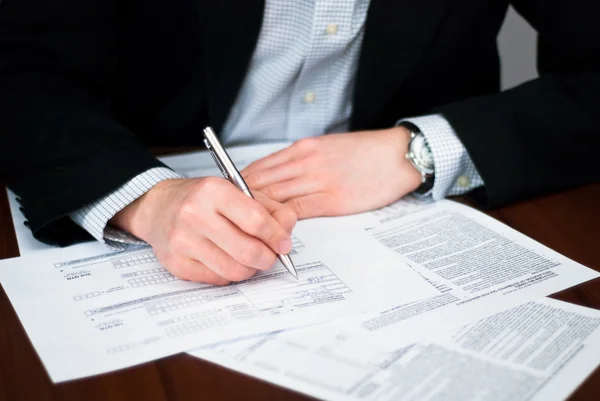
(539, 351)
(430, 299)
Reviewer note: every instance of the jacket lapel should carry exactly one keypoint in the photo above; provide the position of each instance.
(230, 30)
(397, 33)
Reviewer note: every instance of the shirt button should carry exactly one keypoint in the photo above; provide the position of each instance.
(310, 97)
(332, 29)
(463, 181)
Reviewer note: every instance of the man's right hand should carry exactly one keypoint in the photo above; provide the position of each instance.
(207, 230)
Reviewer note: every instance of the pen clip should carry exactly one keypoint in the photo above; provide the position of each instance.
(216, 159)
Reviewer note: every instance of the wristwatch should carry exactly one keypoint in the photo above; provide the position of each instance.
(419, 154)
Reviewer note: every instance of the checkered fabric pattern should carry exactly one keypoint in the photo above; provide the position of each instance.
(299, 84)
(301, 75)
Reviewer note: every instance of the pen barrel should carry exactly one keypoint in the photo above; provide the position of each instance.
(231, 173)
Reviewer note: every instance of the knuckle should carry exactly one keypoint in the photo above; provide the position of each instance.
(249, 255)
(299, 207)
(179, 274)
(306, 144)
(257, 219)
(257, 180)
(175, 238)
(270, 192)
(253, 178)
(236, 275)
(188, 210)
(164, 260)
(270, 259)
(210, 184)
(289, 223)
(241, 273)
(289, 214)
(221, 281)
(174, 266)
(233, 271)
(214, 279)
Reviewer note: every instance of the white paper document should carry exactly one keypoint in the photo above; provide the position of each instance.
(479, 265)
(538, 351)
(91, 314)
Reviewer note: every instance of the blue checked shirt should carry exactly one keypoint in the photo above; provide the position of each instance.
(299, 84)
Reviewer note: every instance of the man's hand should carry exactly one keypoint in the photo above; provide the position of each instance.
(207, 230)
(337, 174)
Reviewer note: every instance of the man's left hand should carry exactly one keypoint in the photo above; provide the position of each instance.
(337, 174)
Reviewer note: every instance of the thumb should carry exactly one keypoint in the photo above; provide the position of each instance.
(313, 205)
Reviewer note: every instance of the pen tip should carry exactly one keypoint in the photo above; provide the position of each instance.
(289, 265)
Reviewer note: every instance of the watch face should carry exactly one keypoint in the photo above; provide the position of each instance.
(426, 156)
(422, 152)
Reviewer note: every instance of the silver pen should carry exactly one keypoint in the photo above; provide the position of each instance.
(231, 173)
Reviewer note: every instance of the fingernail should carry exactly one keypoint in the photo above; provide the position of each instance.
(285, 246)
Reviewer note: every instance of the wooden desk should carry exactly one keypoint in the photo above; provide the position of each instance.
(568, 222)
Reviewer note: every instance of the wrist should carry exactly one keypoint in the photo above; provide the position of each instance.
(127, 219)
(136, 218)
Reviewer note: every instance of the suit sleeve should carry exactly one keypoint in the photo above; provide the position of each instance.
(543, 136)
(60, 146)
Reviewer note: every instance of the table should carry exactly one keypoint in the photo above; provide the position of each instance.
(568, 222)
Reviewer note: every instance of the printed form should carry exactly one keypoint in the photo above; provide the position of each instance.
(91, 314)
(539, 351)
(479, 265)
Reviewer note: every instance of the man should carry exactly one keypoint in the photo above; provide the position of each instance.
(87, 86)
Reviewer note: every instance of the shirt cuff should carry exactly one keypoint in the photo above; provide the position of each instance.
(455, 173)
(94, 217)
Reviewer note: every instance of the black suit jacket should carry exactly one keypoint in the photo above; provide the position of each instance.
(87, 86)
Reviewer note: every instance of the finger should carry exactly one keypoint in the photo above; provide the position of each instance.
(284, 214)
(243, 248)
(221, 263)
(292, 152)
(189, 269)
(252, 218)
(258, 179)
(206, 252)
(284, 191)
(313, 205)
